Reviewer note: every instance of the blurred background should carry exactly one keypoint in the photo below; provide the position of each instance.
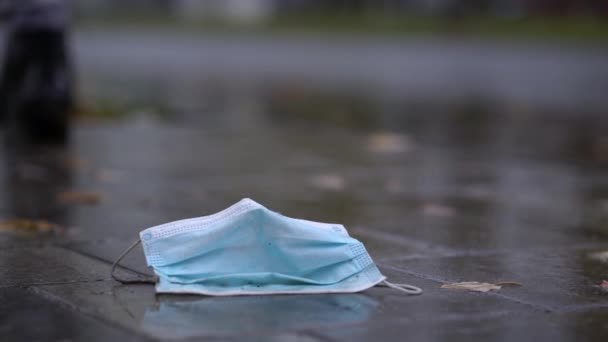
(388, 115)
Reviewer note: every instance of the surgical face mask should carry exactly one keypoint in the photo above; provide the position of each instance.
(247, 249)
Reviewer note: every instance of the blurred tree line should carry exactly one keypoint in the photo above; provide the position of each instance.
(421, 7)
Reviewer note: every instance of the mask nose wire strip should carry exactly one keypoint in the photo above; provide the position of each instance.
(409, 289)
(128, 281)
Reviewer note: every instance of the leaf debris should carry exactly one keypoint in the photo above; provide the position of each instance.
(599, 256)
(479, 287)
(79, 197)
(28, 226)
(386, 142)
(328, 182)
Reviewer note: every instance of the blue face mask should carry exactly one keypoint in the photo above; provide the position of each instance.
(247, 249)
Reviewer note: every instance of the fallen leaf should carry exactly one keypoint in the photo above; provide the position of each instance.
(599, 256)
(385, 142)
(438, 210)
(472, 286)
(79, 197)
(108, 176)
(29, 226)
(328, 182)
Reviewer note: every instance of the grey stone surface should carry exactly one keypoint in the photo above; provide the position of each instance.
(501, 328)
(27, 317)
(587, 326)
(556, 280)
(110, 301)
(109, 249)
(29, 266)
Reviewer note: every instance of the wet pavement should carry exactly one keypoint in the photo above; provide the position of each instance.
(438, 193)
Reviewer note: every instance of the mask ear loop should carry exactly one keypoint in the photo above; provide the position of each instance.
(409, 289)
(128, 281)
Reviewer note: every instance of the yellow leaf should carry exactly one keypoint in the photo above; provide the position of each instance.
(28, 226)
(79, 197)
(472, 286)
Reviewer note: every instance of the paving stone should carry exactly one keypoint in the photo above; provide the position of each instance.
(554, 280)
(491, 228)
(123, 305)
(584, 325)
(502, 328)
(9, 241)
(31, 266)
(436, 303)
(110, 249)
(588, 325)
(28, 317)
(381, 246)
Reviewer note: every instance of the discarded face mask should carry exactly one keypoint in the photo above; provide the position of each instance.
(247, 249)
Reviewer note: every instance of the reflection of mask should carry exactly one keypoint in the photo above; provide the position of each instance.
(217, 316)
(248, 249)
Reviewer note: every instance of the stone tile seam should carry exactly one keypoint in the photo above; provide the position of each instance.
(492, 252)
(443, 281)
(99, 259)
(582, 307)
(415, 274)
(401, 240)
(50, 283)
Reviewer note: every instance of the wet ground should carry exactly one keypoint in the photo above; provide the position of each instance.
(473, 188)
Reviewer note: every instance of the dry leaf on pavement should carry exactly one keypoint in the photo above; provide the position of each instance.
(437, 210)
(29, 226)
(328, 182)
(600, 256)
(472, 286)
(79, 197)
(385, 142)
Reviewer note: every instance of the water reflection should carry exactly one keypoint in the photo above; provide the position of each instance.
(173, 317)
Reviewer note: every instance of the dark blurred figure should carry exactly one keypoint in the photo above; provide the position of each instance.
(36, 80)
